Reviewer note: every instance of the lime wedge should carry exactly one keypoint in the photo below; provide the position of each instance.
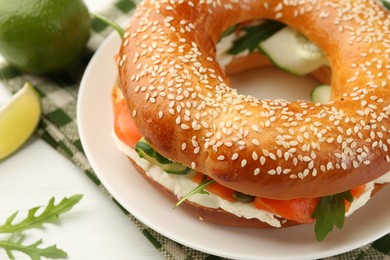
(18, 119)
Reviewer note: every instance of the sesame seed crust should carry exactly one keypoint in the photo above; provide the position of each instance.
(183, 103)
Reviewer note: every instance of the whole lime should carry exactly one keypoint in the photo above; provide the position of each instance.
(43, 36)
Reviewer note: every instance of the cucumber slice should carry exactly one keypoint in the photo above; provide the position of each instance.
(147, 152)
(239, 196)
(291, 51)
(320, 94)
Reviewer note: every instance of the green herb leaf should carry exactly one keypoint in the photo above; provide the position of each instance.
(386, 4)
(49, 215)
(254, 36)
(329, 212)
(32, 250)
(229, 31)
(111, 23)
(200, 189)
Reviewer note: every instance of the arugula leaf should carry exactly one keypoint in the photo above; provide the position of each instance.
(32, 250)
(386, 4)
(200, 189)
(111, 23)
(49, 215)
(254, 36)
(229, 31)
(329, 212)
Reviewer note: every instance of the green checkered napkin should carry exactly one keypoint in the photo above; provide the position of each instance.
(58, 128)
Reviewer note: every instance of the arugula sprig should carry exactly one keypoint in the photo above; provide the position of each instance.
(330, 212)
(50, 214)
(254, 36)
(386, 4)
(32, 250)
(229, 31)
(200, 189)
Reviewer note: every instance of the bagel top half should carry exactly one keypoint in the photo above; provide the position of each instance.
(183, 103)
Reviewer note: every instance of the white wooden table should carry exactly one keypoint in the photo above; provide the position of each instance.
(94, 229)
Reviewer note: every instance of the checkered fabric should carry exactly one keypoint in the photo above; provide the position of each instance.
(58, 128)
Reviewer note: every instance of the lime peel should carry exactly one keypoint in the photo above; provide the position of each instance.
(43, 36)
(19, 118)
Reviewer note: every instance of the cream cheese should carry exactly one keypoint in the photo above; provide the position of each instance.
(225, 44)
(182, 185)
(362, 200)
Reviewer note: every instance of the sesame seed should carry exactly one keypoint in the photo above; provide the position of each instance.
(235, 156)
(243, 163)
(198, 95)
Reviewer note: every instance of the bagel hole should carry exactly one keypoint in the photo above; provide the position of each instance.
(252, 73)
(273, 83)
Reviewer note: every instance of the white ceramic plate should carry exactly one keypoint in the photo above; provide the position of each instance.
(134, 193)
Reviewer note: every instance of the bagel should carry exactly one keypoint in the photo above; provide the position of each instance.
(182, 102)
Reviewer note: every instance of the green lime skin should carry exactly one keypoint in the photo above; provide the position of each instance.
(43, 36)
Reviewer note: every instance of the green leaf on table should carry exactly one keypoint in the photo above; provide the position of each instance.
(254, 36)
(50, 214)
(32, 250)
(330, 212)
